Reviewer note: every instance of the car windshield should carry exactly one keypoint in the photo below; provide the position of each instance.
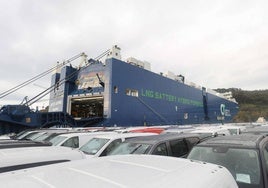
(43, 137)
(130, 148)
(94, 145)
(56, 140)
(243, 164)
(50, 137)
(35, 136)
(20, 133)
(26, 135)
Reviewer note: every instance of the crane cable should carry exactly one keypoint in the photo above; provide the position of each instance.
(60, 82)
(12, 90)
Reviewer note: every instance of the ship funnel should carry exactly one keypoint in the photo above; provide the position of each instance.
(114, 53)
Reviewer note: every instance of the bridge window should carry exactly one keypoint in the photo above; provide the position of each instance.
(132, 92)
(115, 89)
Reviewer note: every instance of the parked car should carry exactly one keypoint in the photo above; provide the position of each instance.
(130, 171)
(28, 157)
(34, 134)
(75, 140)
(24, 134)
(47, 136)
(101, 145)
(244, 155)
(171, 144)
(53, 137)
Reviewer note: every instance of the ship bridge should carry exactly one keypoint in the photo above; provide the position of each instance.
(82, 94)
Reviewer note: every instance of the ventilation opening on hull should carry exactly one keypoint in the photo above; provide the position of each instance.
(87, 108)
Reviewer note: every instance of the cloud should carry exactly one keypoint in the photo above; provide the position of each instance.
(213, 43)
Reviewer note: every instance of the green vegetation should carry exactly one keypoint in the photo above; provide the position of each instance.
(252, 104)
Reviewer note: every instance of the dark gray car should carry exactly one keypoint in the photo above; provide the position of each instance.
(172, 144)
(245, 156)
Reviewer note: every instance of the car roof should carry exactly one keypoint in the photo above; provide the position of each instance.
(153, 139)
(54, 130)
(22, 143)
(242, 140)
(122, 135)
(84, 133)
(178, 130)
(259, 129)
(24, 155)
(123, 171)
(210, 129)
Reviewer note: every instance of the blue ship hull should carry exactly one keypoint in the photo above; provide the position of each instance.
(122, 94)
(118, 93)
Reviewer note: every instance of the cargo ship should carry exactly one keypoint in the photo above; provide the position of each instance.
(121, 93)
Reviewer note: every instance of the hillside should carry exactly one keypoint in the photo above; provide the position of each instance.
(252, 104)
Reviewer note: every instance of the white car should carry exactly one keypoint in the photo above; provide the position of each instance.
(120, 171)
(27, 157)
(101, 145)
(75, 140)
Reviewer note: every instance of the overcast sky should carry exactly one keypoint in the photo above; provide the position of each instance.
(213, 43)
